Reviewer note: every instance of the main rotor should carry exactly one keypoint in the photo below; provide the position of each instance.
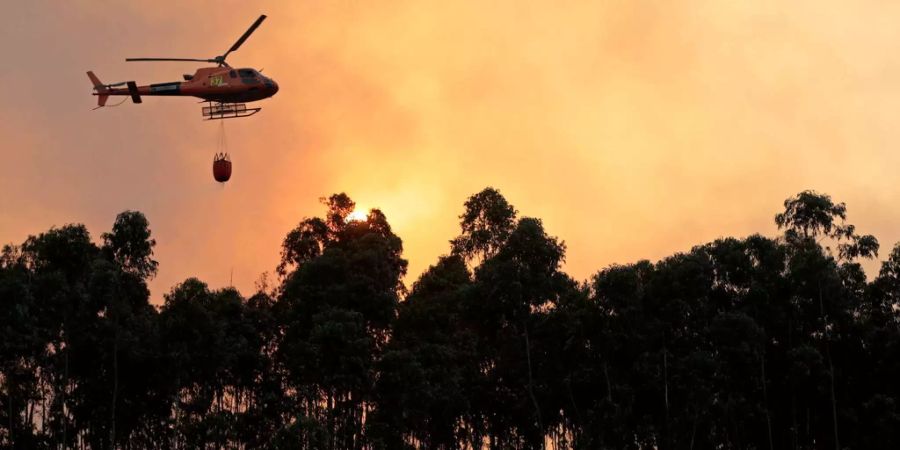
(220, 60)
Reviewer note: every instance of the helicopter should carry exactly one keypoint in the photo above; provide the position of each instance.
(225, 89)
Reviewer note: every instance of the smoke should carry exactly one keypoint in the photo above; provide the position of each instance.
(633, 128)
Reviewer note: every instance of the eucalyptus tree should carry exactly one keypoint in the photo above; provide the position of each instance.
(22, 349)
(426, 377)
(89, 322)
(828, 285)
(60, 262)
(755, 342)
(877, 365)
(342, 282)
(486, 224)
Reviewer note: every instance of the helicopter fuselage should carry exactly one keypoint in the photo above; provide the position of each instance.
(214, 84)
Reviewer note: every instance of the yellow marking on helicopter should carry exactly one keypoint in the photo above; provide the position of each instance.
(217, 80)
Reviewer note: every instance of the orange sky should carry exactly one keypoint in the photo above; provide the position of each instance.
(634, 129)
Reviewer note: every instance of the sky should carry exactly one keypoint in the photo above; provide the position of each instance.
(633, 129)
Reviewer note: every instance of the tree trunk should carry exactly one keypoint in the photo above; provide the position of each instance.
(608, 384)
(9, 401)
(65, 395)
(115, 389)
(537, 408)
(693, 431)
(574, 404)
(794, 426)
(330, 419)
(666, 394)
(837, 445)
(762, 362)
(827, 336)
(43, 385)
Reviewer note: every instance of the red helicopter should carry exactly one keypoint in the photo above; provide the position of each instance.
(225, 88)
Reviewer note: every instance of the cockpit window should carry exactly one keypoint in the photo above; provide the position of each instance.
(247, 73)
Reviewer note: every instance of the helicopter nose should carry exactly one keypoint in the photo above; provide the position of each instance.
(274, 87)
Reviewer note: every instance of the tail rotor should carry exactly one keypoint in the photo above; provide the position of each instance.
(102, 90)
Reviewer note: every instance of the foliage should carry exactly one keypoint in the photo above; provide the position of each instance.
(755, 342)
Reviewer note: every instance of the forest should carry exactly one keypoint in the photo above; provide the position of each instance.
(742, 343)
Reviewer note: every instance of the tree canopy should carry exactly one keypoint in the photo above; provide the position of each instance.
(742, 343)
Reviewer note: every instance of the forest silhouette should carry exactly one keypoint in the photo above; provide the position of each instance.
(742, 343)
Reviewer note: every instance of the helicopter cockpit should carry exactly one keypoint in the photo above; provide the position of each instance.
(247, 76)
(252, 76)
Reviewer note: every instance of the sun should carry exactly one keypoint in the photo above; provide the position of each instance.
(357, 216)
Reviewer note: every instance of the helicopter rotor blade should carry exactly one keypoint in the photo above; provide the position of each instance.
(169, 59)
(218, 59)
(244, 36)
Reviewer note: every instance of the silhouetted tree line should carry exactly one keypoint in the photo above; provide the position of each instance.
(755, 343)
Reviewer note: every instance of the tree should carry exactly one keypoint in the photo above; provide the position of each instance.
(21, 350)
(336, 308)
(130, 244)
(423, 388)
(511, 294)
(757, 342)
(486, 224)
(808, 216)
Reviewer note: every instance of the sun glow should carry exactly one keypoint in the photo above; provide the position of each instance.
(358, 215)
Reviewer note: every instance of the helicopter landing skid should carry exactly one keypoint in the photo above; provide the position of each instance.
(217, 111)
